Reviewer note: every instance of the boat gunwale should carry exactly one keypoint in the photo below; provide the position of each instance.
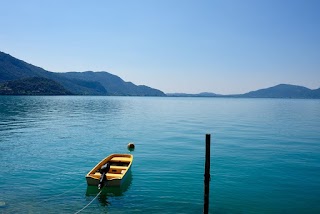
(107, 159)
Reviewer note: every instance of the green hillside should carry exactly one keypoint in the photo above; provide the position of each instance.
(78, 83)
(33, 86)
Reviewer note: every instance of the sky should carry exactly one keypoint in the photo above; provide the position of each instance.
(190, 46)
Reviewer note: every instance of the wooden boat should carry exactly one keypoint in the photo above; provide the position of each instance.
(115, 167)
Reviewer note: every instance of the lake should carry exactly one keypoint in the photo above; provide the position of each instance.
(265, 154)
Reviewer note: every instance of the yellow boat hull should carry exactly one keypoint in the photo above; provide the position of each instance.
(120, 166)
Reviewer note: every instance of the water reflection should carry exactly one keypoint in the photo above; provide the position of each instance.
(114, 191)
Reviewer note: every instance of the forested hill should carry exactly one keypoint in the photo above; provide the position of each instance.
(33, 86)
(284, 91)
(77, 83)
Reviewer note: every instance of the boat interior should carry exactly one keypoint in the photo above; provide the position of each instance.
(118, 167)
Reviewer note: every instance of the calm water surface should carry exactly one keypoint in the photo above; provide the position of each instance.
(265, 154)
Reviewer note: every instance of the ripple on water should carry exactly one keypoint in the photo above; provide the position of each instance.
(264, 157)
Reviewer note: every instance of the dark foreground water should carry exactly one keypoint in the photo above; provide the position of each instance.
(265, 154)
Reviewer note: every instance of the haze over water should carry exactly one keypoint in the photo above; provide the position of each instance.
(265, 154)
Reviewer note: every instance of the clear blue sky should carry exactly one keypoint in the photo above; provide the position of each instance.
(220, 46)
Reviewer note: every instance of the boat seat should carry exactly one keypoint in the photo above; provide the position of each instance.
(109, 175)
(113, 175)
(118, 167)
(121, 159)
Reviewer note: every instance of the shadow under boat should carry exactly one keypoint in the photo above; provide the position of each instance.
(110, 190)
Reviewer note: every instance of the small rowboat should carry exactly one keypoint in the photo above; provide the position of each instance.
(111, 171)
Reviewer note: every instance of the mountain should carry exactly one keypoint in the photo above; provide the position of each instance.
(13, 69)
(19, 77)
(283, 91)
(316, 93)
(113, 84)
(278, 91)
(78, 83)
(33, 86)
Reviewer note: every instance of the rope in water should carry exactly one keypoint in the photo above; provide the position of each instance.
(40, 202)
(55, 196)
(89, 203)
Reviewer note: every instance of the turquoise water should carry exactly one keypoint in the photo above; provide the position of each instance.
(265, 154)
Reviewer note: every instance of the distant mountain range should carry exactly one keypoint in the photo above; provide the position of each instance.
(20, 78)
(17, 75)
(284, 91)
(278, 91)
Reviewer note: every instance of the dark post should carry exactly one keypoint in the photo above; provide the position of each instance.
(207, 175)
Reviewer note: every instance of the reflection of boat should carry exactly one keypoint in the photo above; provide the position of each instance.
(111, 171)
(110, 190)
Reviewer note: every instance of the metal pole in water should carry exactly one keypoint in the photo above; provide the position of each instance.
(207, 175)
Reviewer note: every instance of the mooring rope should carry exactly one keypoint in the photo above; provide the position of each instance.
(55, 196)
(89, 203)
